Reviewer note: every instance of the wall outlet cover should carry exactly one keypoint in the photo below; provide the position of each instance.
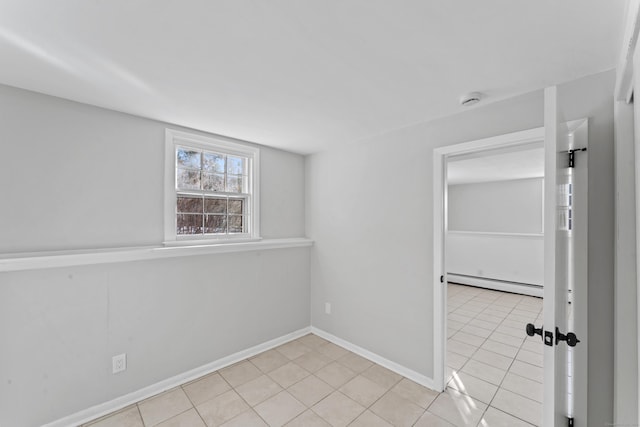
(119, 363)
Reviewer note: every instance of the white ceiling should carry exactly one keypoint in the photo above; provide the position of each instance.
(301, 75)
(519, 163)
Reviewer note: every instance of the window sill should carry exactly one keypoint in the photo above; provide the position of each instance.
(210, 242)
(41, 260)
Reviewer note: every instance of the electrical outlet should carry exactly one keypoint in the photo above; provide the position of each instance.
(327, 307)
(119, 363)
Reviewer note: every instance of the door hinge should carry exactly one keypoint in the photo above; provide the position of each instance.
(570, 421)
(572, 156)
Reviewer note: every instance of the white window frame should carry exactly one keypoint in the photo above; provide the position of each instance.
(174, 139)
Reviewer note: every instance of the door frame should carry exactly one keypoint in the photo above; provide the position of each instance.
(440, 226)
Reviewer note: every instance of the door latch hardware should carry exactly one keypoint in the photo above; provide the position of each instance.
(532, 330)
(570, 338)
(441, 279)
(548, 338)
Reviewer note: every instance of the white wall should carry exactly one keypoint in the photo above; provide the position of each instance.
(495, 231)
(626, 307)
(510, 206)
(372, 256)
(505, 257)
(74, 176)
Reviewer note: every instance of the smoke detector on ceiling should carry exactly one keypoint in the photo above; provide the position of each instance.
(470, 99)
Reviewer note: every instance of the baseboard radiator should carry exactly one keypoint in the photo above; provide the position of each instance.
(495, 284)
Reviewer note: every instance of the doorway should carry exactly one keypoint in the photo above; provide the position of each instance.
(520, 307)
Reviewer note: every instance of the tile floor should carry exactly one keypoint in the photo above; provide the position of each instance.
(490, 357)
(312, 382)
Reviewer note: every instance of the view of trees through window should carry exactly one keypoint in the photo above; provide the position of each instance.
(212, 192)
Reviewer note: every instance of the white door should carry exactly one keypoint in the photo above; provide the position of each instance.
(565, 298)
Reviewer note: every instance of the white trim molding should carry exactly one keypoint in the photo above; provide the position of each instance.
(118, 403)
(55, 259)
(392, 366)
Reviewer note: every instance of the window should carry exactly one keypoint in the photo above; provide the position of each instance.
(211, 189)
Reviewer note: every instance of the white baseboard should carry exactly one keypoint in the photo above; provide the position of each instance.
(392, 366)
(97, 411)
(497, 285)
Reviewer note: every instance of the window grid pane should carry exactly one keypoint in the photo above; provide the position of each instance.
(210, 173)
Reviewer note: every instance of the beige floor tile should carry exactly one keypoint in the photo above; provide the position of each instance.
(246, 419)
(310, 390)
(480, 390)
(369, 419)
(335, 374)
(338, 409)
(507, 339)
(206, 388)
(461, 348)
(455, 325)
(191, 418)
(514, 332)
(397, 410)
(164, 406)
(523, 319)
(312, 361)
(332, 351)
(382, 376)
(288, 374)
(533, 346)
(518, 406)
(269, 360)
(355, 362)
(503, 349)
(456, 361)
(415, 393)
(489, 318)
(527, 370)
(484, 324)
(222, 408)
(493, 359)
(280, 409)
(308, 419)
(523, 386)
(363, 390)
(312, 341)
(466, 338)
(429, 420)
(496, 418)
(530, 357)
(466, 313)
(496, 311)
(457, 408)
(459, 318)
(484, 371)
(293, 350)
(474, 330)
(258, 390)
(127, 417)
(240, 373)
